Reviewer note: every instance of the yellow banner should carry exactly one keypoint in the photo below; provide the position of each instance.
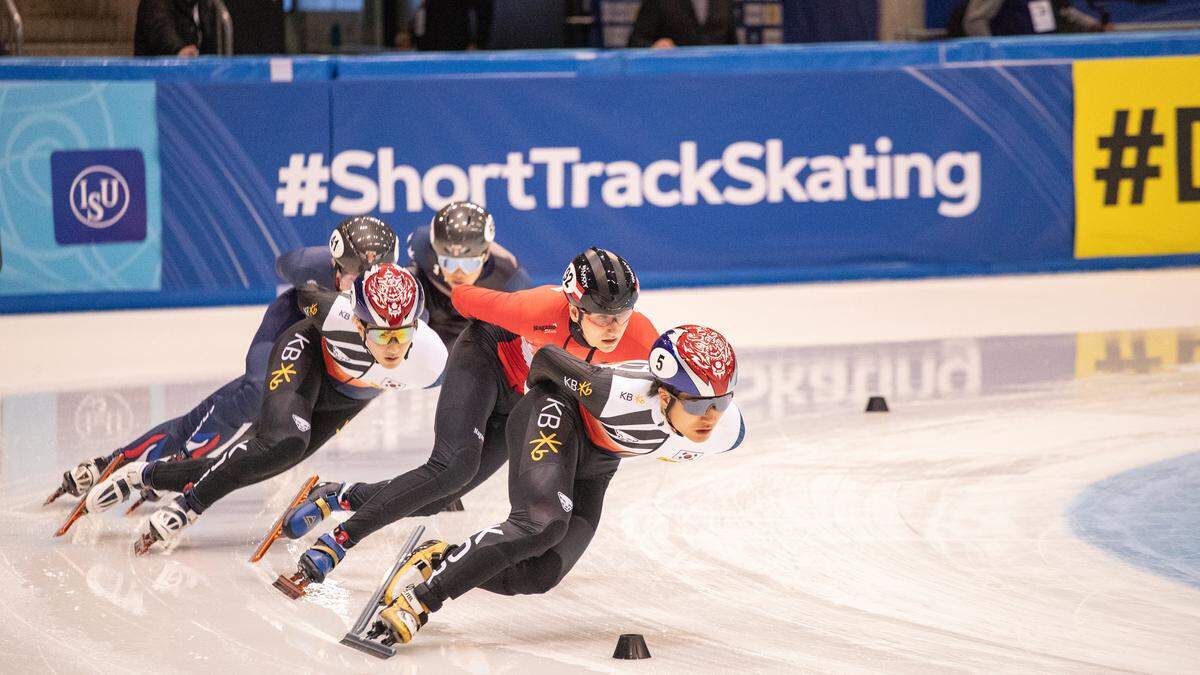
(1137, 157)
(1147, 351)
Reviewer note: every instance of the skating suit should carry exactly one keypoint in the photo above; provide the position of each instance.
(566, 439)
(501, 272)
(485, 378)
(320, 376)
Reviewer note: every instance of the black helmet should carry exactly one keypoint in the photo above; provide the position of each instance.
(360, 242)
(600, 282)
(462, 230)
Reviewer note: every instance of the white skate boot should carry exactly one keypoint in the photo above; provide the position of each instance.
(164, 525)
(81, 478)
(118, 487)
(78, 480)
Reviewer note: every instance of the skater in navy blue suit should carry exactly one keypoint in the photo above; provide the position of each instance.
(356, 244)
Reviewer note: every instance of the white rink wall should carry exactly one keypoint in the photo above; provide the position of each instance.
(56, 351)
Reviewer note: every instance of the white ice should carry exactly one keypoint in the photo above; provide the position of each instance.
(936, 537)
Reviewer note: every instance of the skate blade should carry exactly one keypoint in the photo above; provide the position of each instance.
(51, 499)
(143, 544)
(134, 506)
(293, 586)
(277, 528)
(78, 512)
(366, 646)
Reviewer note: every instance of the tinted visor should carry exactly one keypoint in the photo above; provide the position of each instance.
(699, 406)
(467, 265)
(606, 320)
(384, 336)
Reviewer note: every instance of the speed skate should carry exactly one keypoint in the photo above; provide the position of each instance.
(370, 634)
(277, 528)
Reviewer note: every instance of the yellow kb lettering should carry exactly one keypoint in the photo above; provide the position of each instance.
(284, 374)
(542, 444)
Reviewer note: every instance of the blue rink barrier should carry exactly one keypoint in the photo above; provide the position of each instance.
(702, 166)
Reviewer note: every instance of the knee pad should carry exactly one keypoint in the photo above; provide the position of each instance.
(544, 536)
(271, 456)
(455, 475)
(543, 573)
(248, 398)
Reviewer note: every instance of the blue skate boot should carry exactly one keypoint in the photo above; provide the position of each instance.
(316, 563)
(322, 500)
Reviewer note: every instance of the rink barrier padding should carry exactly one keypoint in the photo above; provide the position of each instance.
(705, 166)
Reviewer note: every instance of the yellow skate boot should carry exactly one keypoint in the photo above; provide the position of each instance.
(404, 614)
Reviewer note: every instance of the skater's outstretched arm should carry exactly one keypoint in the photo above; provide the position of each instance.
(301, 265)
(519, 312)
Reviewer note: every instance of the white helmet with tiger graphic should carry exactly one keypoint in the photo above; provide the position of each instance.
(387, 296)
(694, 360)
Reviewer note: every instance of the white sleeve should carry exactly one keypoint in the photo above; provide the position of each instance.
(730, 431)
(429, 357)
(729, 434)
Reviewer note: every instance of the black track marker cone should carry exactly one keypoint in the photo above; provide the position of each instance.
(631, 646)
(876, 404)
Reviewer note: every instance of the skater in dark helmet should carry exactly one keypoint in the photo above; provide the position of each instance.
(590, 316)
(324, 370)
(355, 244)
(566, 438)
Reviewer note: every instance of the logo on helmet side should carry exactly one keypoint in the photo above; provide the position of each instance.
(570, 283)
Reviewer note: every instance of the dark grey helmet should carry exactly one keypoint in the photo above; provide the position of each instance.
(462, 230)
(361, 242)
(599, 281)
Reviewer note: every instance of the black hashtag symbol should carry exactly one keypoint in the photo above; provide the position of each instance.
(1116, 172)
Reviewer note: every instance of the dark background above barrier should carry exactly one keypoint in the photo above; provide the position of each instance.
(582, 63)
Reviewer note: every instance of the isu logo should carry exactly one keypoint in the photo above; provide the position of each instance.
(99, 196)
(103, 415)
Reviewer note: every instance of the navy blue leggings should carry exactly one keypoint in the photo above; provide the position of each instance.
(218, 417)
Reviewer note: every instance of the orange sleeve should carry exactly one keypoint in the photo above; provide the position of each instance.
(514, 311)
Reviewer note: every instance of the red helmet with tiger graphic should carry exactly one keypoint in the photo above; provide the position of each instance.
(387, 296)
(694, 360)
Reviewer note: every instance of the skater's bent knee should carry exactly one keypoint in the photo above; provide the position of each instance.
(539, 576)
(544, 535)
(249, 397)
(280, 452)
(455, 474)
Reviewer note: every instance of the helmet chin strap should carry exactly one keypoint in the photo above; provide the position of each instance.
(577, 333)
(667, 415)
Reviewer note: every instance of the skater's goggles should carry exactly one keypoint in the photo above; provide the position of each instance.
(606, 320)
(384, 336)
(699, 406)
(467, 265)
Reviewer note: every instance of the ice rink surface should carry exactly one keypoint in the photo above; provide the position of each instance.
(1028, 505)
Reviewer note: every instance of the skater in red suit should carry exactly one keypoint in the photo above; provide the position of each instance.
(590, 316)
